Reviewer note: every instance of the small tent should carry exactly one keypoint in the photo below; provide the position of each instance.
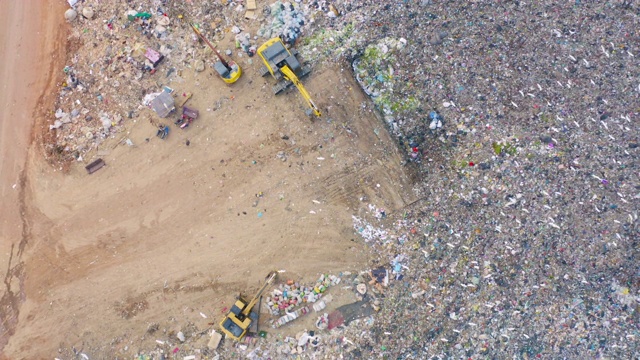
(163, 104)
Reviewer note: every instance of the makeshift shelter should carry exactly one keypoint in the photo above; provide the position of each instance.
(163, 104)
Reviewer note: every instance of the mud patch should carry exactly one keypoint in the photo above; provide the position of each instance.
(11, 299)
(131, 307)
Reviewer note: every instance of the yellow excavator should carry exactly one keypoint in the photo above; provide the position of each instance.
(285, 67)
(229, 71)
(242, 316)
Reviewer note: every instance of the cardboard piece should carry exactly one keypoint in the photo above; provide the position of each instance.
(214, 342)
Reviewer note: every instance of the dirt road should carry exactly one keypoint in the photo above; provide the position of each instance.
(27, 37)
(32, 37)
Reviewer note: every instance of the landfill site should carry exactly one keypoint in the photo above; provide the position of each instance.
(314, 179)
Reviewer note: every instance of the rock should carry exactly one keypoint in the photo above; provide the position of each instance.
(199, 65)
(88, 13)
(70, 15)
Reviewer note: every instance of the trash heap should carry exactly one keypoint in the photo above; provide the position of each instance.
(522, 242)
(287, 20)
(122, 54)
(368, 231)
(118, 53)
(458, 67)
(375, 72)
(291, 299)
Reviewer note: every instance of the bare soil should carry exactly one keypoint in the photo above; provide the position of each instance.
(167, 231)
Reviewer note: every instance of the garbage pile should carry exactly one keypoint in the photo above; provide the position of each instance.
(375, 72)
(287, 20)
(117, 54)
(291, 299)
(122, 54)
(524, 240)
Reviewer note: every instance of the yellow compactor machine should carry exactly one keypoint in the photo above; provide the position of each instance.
(242, 316)
(285, 67)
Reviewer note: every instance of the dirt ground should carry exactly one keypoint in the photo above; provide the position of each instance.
(167, 231)
(33, 40)
(31, 46)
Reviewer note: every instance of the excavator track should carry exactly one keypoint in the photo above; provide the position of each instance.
(306, 70)
(281, 86)
(284, 84)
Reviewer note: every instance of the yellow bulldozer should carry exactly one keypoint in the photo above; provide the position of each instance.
(285, 67)
(241, 317)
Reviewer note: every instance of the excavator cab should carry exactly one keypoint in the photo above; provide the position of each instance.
(285, 67)
(236, 323)
(242, 315)
(275, 55)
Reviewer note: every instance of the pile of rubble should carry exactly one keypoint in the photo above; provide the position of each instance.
(291, 299)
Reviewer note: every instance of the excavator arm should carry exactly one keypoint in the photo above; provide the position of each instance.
(253, 301)
(291, 76)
